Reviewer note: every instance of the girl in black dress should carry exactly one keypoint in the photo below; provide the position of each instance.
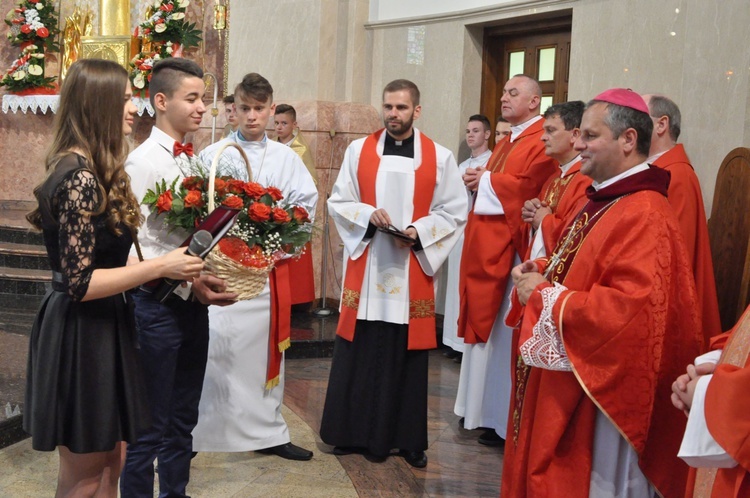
(84, 393)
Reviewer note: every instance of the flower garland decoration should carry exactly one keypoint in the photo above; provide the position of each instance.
(167, 24)
(141, 67)
(34, 21)
(27, 72)
(265, 231)
(167, 34)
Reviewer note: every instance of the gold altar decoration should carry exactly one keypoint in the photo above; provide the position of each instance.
(78, 25)
(114, 18)
(114, 26)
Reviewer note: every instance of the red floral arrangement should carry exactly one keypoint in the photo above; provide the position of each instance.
(266, 228)
(34, 21)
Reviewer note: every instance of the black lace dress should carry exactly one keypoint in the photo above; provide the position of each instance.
(84, 386)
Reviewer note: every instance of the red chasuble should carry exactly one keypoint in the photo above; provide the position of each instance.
(685, 197)
(629, 325)
(519, 169)
(565, 196)
(727, 410)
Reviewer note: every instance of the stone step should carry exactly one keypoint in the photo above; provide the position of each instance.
(20, 235)
(24, 281)
(28, 256)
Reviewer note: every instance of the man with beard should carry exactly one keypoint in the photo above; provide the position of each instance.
(399, 207)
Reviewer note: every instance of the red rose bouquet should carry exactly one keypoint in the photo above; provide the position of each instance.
(266, 230)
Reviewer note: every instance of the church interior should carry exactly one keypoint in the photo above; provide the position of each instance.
(330, 59)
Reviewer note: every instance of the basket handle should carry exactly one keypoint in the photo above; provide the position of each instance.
(215, 164)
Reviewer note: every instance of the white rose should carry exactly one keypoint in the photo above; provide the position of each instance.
(157, 57)
(138, 81)
(160, 28)
(35, 70)
(19, 75)
(179, 15)
(169, 49)
(39, 6)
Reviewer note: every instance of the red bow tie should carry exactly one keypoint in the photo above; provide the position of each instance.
(179, 148)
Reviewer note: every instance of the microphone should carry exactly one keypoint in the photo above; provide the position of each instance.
(200, 243)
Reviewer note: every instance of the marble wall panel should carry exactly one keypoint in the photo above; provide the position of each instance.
(23, 142)
(280, 40)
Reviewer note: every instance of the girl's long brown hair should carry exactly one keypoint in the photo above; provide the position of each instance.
(90, 119)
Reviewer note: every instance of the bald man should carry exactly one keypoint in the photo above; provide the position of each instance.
(494, 237)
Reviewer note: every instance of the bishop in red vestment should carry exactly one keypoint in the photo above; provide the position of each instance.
(607, 325)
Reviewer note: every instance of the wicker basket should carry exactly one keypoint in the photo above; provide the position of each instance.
(247, 282)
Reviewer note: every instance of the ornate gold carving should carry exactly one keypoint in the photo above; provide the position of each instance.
(112, 48)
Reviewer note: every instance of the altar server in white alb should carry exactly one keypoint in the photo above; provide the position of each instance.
(399, 207)
(478, 131)
(243, 391)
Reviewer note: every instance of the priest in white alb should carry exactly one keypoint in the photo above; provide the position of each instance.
(399, 207)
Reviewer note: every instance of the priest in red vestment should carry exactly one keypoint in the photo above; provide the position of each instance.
(564, 193)
(685, 197)
(610, 319)
(718, 406)
(494, 237)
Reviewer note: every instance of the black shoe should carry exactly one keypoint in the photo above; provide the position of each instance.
(458, 358)
(490, 438)
(288, 451)
(461, 422)
(416, 459)
(450, 353)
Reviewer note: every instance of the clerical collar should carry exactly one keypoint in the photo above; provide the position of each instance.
(240, 138)
(393, 147)
(516, 130)
(566, 167)
(630, 172)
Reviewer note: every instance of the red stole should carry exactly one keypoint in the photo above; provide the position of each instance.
(421, 290)
(279, 338)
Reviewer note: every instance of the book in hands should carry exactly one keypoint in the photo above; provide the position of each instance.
(397, 234)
